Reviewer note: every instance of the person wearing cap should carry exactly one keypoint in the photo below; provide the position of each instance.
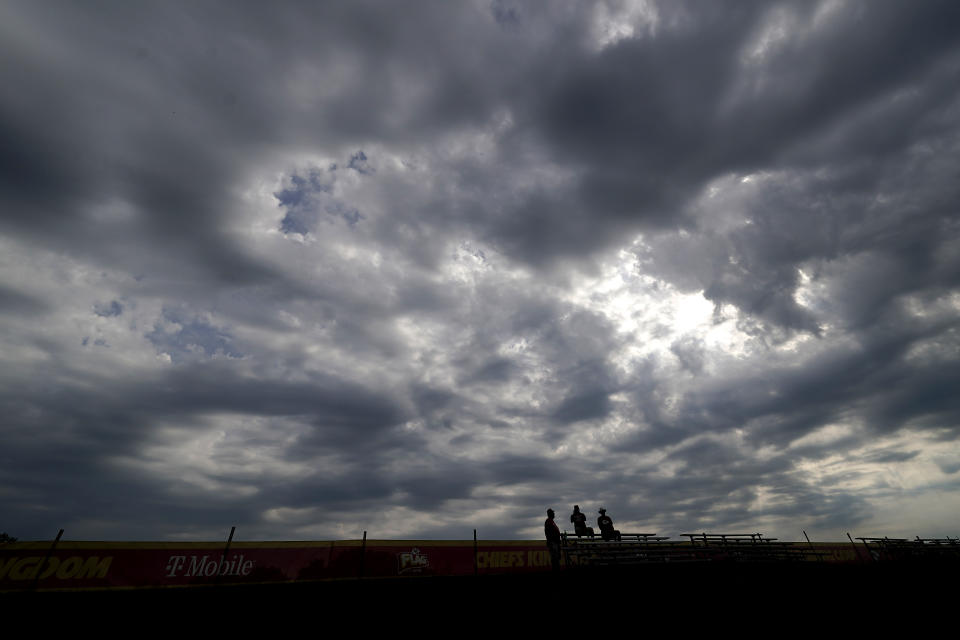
(605, 522)
(579, 520)
(552, 531)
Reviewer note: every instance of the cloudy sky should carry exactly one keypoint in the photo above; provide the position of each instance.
(417, 268)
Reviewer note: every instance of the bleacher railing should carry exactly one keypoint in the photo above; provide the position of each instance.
(642, 548)
(917, 550)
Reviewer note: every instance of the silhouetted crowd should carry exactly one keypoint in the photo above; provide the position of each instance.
(580, 528)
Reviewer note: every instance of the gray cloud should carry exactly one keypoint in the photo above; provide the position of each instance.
(429, 267)
(17, 302)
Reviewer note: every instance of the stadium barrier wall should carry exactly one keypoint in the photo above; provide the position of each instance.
(111, 565)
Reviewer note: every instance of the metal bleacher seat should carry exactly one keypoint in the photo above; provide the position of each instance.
(641, 548)
(917, 550)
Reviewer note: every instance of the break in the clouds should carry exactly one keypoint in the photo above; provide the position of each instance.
(417, 268)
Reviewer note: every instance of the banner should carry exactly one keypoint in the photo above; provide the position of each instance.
(85, 565)
(73, 565)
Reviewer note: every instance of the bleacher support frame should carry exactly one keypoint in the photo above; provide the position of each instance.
(646, 548)
(919, 549)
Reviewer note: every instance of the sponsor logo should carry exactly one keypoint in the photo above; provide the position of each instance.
(193, 566)
(412, 561)
(73, 567)
(510, 559)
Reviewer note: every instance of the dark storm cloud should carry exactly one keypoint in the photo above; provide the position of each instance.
(872, 383)
(165, 107)
(121, 415)
(652, 120)
(490, 370)
(73, 434)
(583, 406)
(18, 302)
(365, 228)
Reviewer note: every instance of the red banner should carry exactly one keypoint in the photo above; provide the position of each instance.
(78, 565)
(144, 564)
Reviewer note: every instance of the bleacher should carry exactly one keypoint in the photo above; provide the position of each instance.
(751, 547)
(916, 550)
(631, 548)
(642, 548)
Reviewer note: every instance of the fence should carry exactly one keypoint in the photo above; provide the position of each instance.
(58, 564)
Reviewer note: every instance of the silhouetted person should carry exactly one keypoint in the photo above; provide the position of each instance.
(605, 522)
(552, 531)
(579, 520)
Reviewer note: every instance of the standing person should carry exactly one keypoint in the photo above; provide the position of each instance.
(605, 522)
(579, 520)
(552, 531)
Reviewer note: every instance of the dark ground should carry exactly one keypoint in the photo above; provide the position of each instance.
(702, 598)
